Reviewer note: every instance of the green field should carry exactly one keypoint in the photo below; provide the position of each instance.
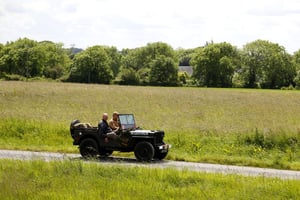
(228, 126)
(78, 180)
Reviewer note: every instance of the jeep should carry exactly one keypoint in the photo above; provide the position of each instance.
(146, 144)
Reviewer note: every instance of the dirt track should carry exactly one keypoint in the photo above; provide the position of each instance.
(201, 167)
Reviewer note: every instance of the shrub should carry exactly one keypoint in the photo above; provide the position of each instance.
(13, 77)
(128, 77)
(281, 141)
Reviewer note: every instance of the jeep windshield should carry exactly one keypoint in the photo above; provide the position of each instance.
(127, 121)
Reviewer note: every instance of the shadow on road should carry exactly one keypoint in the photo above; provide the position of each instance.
(113, 159)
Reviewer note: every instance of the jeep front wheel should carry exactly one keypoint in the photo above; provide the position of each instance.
(144, 151)
(88, 148)
(159, 155)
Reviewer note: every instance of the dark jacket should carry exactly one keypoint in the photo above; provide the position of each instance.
(103, 128)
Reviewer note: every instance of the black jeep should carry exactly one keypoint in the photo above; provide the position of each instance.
(146, 144)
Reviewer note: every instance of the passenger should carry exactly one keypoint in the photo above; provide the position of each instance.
(114, 122)
(104, 129)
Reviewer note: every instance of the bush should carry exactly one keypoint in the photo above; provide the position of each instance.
(290, 87)
(128, 77)
(281, 141)
(13, 77)
(297, 80)
(183, 77)
(53, 72)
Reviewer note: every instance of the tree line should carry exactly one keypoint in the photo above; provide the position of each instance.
(259, 64)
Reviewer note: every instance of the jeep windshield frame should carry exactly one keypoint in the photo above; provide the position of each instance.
(127, 121)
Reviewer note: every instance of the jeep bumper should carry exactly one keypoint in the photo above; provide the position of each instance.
(164, 147)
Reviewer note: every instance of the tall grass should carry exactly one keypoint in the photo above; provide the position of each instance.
(34, 135)
(233, 126)
(78, 180)
(172, 109)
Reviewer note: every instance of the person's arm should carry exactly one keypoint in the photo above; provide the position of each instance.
(113, 126)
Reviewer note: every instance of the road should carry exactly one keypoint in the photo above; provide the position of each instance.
(201, 167)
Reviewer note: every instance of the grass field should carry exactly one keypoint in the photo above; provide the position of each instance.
(231, 126)
(78, 180)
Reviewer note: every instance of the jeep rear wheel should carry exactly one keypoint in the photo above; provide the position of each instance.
(88, 148)
(144, 151)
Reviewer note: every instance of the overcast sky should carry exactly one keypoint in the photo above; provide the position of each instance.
(134, 23)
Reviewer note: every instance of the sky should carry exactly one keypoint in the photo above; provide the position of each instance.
(134, 23)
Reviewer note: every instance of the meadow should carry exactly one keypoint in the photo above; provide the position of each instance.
(80, 180)
(227, 126)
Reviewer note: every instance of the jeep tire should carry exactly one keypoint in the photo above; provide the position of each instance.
(144, 151)
(88, 148)
(159, 155)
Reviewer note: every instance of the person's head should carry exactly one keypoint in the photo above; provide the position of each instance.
(115, 115)
(105, 116)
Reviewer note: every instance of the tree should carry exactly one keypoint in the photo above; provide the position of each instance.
(185, 56)
(143, 75)
(296, 59)
(91, 66)
(214, 64)
(22, 57)
(57, 60)
(141, 61)
(114, 59)
(296, 62)
(163, 71)
(129, 77)
(1, 49)
(30, 58)
(266, 65)
(156, 49)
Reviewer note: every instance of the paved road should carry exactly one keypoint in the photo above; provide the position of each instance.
(201, 167)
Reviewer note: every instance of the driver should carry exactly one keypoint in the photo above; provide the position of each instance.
(104, 129)
(114, 123)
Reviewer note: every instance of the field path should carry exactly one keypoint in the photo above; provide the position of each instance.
(201, 167)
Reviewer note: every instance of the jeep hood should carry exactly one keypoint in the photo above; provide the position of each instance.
(142, 132)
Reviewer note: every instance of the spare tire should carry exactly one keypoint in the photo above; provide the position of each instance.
(76, 121)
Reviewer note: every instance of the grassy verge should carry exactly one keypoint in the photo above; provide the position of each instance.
(229, 126)
(78, 180)
(255, 149)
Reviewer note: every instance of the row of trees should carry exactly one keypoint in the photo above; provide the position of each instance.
(29, 58)
(259, 64)
(154, 64)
